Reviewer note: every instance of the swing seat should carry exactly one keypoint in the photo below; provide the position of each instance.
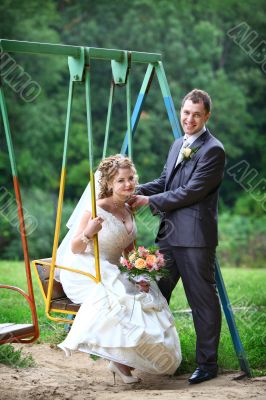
(9, 331)
(59, 300)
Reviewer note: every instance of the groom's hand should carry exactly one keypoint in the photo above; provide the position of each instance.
(137, 201)
(144, 286)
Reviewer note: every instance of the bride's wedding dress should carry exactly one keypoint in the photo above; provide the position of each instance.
(116, 321)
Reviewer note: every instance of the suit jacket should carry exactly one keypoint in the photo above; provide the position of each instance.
(186, 196)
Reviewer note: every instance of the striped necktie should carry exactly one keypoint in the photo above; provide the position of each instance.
(180, 155)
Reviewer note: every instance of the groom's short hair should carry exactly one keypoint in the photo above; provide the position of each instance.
(196, 96)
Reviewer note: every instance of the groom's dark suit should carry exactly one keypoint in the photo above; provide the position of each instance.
(186, 197)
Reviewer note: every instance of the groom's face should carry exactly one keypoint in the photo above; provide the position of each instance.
(193, 116)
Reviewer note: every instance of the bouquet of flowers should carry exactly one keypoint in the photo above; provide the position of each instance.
(144, 264)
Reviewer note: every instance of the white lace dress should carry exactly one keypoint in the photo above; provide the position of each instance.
(117, 321)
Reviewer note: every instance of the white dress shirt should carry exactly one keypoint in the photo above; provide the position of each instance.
(187, 141)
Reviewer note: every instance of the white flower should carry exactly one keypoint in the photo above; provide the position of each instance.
(187, 152)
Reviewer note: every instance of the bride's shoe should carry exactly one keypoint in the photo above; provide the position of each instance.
(125, 378)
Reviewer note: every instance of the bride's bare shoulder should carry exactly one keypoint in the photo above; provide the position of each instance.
(103, 203)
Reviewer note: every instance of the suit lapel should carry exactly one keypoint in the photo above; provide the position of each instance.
(172, 168)
(175, 155)
(175, 151)
(200, 141)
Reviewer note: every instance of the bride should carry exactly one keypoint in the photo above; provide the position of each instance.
(125, 322)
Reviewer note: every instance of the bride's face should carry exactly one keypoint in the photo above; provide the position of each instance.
(124, 182)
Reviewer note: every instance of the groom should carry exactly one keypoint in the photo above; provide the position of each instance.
(186, 197)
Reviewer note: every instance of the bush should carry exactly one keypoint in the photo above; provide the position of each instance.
(242, 240)
(242, 235)
(39, 210)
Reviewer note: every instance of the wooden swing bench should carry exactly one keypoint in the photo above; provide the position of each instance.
(59, 300)
(9, 331)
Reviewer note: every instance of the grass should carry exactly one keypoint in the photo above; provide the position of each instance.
(15, 358)
(246, 290)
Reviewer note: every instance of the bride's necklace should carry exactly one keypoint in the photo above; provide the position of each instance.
(121, 208)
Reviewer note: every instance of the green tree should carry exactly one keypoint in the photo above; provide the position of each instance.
(197, 51)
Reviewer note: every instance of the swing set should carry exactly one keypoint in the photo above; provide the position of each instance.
(79, 60)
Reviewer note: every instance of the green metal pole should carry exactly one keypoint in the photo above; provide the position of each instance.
(68, 121)
(108, 119)
(89, 117)
(129, 126)
(16, 46)
(92, 183)
(8, 133)
(60, 199)
(22, 227)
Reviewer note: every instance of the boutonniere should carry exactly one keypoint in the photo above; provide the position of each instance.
(188, 153)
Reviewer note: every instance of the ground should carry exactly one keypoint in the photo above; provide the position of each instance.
(79, 377)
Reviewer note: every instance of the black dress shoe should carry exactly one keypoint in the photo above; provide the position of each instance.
(200, 376)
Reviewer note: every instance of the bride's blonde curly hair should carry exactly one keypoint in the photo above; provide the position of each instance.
(108, 169)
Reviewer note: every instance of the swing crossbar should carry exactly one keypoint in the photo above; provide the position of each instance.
(16, 46)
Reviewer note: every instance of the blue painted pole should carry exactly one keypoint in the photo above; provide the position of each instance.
(168, 101)
(228, 312)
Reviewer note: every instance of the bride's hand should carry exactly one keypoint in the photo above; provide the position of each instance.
(94, 226)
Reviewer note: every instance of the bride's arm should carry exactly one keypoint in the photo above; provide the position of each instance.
(88, 227)
(129, 248)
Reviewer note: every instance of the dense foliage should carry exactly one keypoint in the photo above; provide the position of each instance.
(205, 45)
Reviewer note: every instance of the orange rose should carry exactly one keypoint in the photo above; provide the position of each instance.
(151, 259)
(140, 263)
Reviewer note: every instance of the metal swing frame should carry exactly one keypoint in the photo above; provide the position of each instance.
(121, 61)
(11, 332)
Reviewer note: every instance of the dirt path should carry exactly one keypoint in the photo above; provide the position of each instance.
(79, 377)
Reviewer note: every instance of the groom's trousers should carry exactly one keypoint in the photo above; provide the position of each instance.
(196, 267)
